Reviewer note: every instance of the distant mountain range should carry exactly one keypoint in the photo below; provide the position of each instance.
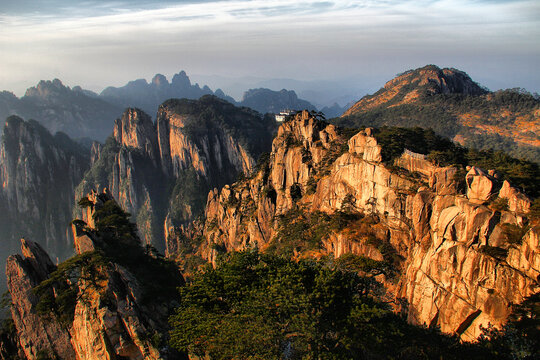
(82, 113)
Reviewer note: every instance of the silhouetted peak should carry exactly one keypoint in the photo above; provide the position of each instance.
(160, 80)
(181, 80)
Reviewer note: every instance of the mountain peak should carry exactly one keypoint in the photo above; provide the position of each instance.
(160, 80)
(181, 80)
(412, 85)
(46, 88)
(435, 80)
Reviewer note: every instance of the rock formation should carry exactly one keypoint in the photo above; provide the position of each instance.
(459, 265)
(161, 172)
(38, 175)
(96, 305)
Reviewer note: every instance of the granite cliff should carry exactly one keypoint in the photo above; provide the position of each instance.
(451, 103)
(161, 172)
(454, 247)
(38, 176)
(110, 301)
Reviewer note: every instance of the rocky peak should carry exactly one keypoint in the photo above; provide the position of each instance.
(269, 101)
(199, 145)
(38, 174)
(95, 152)
(180, 80)
(36, 335)
(47, 90)
(135, 129)
(188, 139)
(37, 258)
(413, 85)
(95, 305)
(463, 258)
(437, 81)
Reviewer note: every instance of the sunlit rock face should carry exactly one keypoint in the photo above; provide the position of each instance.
(459, 269)
(453, 105)
(161, 172)
(34, 332)
(107, 313)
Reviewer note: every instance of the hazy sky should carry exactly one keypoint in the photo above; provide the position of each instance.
(99, 43)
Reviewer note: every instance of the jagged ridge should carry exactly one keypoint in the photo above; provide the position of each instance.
(460, 265)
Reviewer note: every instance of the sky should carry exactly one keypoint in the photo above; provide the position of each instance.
(360, 43)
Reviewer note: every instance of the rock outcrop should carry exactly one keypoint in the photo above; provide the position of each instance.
(36, 334)
(164, 170)
(96, 305)
(460, 266)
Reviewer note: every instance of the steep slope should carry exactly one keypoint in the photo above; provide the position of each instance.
(38, 173)
(269, 101)
(451, 103)
(148, 96)
(452, 259)
(59, 108)
(110, 301)
(162, 172)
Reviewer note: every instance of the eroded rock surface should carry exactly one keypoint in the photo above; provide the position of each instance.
(106, 311)
(459, 268)
(161, 172)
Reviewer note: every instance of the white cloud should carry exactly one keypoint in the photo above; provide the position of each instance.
(274, 37)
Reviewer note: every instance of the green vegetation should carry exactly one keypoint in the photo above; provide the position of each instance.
(58, 294)
(499, 204)
(259, 306)
(522, 174)
(300, 231)
(441, 112)
(362, 264)
(116, 240)
(514, 233)
(188, 196)
(8, 333)
(395, 140)
(520, 336)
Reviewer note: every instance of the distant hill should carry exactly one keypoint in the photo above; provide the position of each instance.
(333, 111)
(269, 101)
(148, 96)
(84, 114)
(452, 104)
(76, 112)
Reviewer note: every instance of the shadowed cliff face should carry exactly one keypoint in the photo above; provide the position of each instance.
(110, 301)
(449, 258)
(38, 175)
(162, 172)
